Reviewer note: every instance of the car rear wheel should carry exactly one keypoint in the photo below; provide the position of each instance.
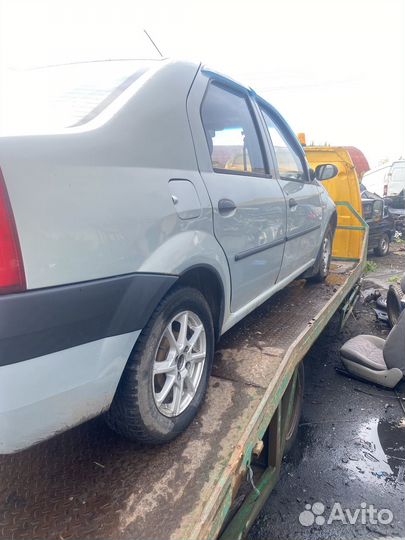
(321, 267)
(166, 378)
(383, 246)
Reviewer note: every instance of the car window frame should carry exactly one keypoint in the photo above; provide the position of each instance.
(289, 137)
(239, 92)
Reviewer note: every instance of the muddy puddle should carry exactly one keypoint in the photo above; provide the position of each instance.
(378, 451)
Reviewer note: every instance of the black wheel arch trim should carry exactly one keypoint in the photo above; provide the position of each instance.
(43, 321)
(213, 270)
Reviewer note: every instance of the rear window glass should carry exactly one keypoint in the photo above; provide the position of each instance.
(53, 98)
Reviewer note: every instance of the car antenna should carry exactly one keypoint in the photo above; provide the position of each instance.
(153, 43)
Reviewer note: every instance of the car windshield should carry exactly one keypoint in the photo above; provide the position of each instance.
(58, 97)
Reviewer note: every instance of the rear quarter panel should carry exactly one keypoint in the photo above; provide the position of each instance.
(97, 203)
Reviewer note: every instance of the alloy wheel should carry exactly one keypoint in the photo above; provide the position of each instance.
(179, 363)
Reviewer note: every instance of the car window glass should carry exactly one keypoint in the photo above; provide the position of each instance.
(231, 133)
(288, 161)
(48, 99)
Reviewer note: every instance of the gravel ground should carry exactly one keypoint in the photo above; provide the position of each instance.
(350, 449)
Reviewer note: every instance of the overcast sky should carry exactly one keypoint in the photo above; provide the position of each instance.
(334, 68)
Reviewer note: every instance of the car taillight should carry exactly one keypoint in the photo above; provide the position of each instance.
(12, 277)
(385, 190)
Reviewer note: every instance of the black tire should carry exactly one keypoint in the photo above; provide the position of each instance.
(293, 426)
(134, 413)
(394, 304)
(320, 270)
(383, 246)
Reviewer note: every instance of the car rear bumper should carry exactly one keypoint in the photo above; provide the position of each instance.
(49, 394)
(63, 350)
(43, 321)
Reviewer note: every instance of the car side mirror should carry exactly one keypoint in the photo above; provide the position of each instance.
(326, 171)
(378, 208)
(367, 210)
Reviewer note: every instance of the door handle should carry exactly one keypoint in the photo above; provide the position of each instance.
(226, 206)
(292, 203)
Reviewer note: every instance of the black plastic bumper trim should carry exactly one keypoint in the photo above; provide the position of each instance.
(43, 321)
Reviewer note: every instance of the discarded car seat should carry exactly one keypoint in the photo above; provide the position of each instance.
(377, 360)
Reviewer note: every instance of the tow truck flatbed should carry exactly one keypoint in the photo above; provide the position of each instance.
(88, 483)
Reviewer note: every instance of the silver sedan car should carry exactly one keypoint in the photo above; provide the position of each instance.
(145, 208)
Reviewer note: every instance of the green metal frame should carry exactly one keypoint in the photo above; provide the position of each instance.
(238, 527)
(272, 405)
(355, 213)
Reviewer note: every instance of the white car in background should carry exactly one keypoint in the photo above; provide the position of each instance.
(387, 180)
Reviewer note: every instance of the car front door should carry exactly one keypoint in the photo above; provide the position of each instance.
(304, 208)
(249, 212)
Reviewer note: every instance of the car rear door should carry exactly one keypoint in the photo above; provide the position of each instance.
(249, 212)
(303, 200)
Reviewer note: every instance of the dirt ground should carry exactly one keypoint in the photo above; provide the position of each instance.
(351, 441)
(387, 267)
